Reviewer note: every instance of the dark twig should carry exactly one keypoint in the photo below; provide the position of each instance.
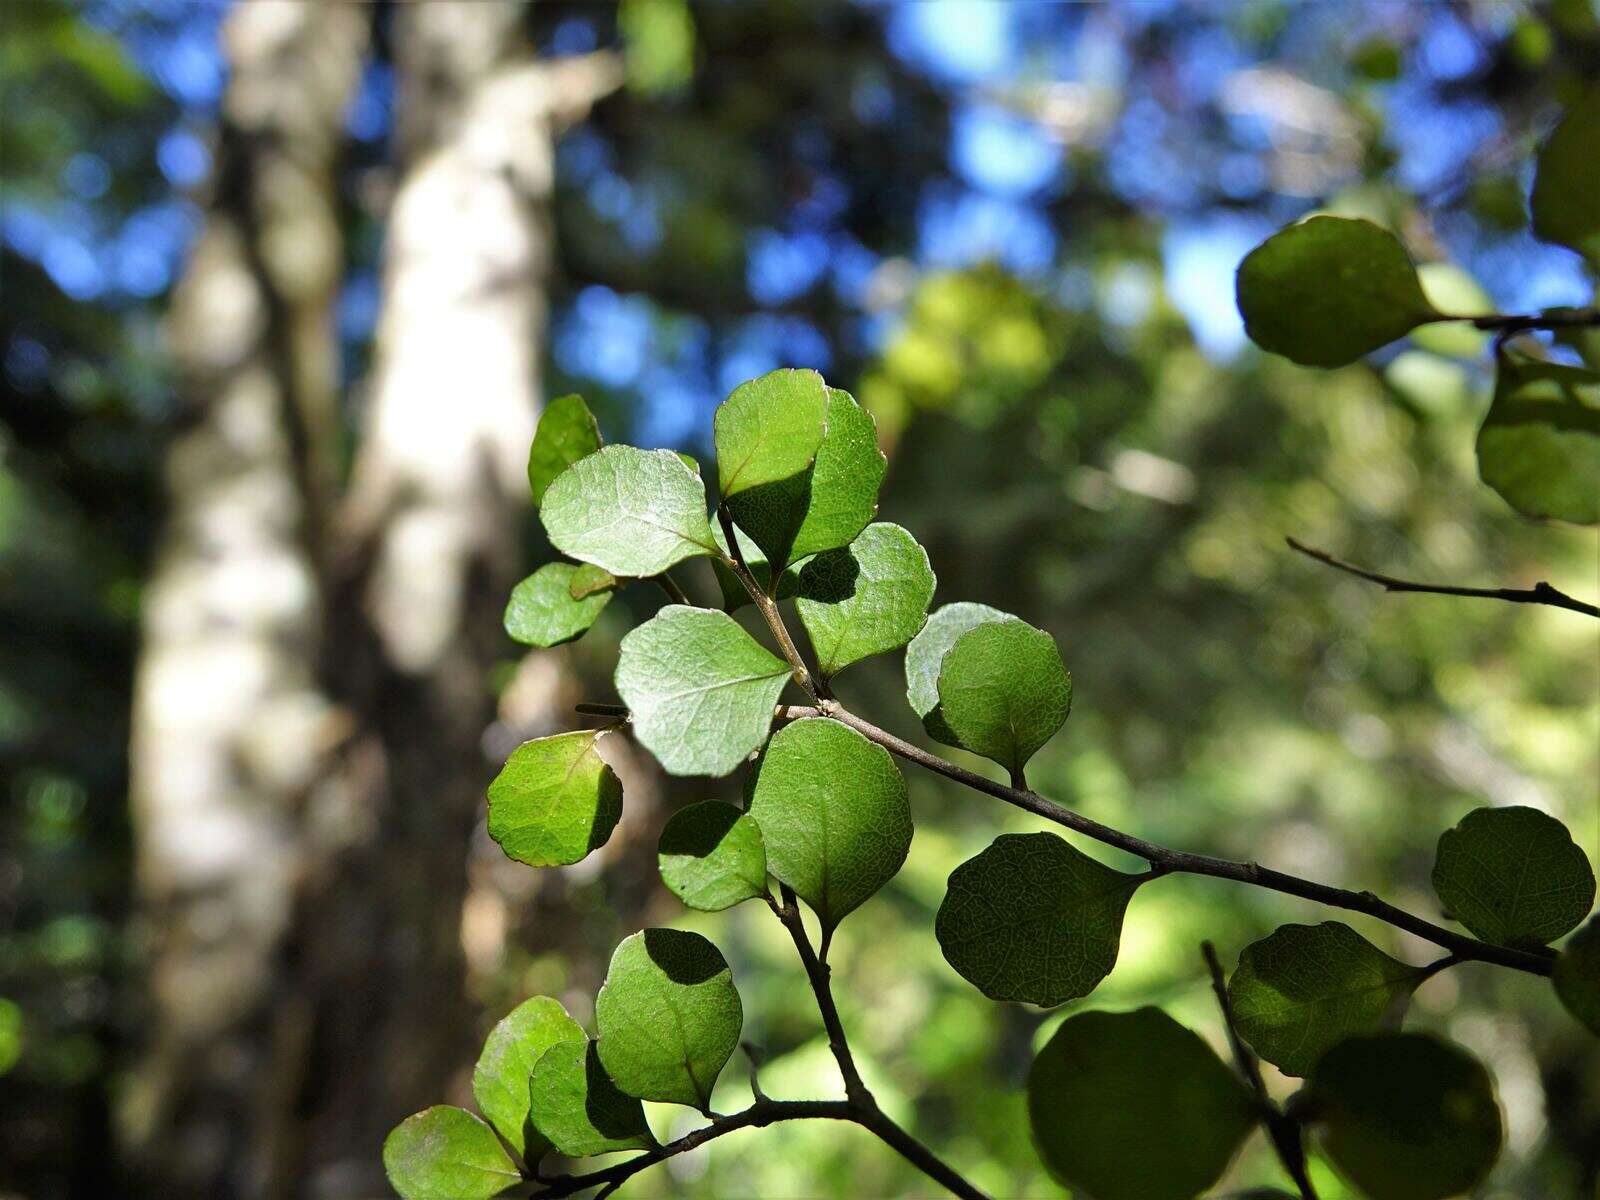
(768, 607)
(669, 585)
(1552, 318)
(1539, 593)
(1284, 1131)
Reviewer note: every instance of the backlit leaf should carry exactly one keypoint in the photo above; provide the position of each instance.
(1133, 1106)
(1539, 447)
(701, 690)
(1034, 919)
(634, 512)
(833, 813)
(512, 1049)
(1577, 975)
(1513, 876)
(768, 429)
(1566, 181)
(1003, 691)
(866, 598)
(668, 1016)
(554, 800)
(445, 1153)
(925, 655)
(567, 432)
(577, 1108)
(711, 856)
(542, 611)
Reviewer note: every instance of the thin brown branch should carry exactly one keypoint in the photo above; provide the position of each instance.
(768, 607)
(1539, 593)
(1551, 318)
(669, 585)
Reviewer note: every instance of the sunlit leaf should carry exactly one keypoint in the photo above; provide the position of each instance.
(1566, 181)
(1003, 691)
(1577, 975)
(701, 690)
(845, 479)
(567, 432)
(925, 655)
(445, 1153)
(1406, 1116)
(634, 512)
(833, 813)
(669, 1017)
(577, 1108)
(1328, 290)
(768, 429)
(555, 800)
(513, 1047)
(866, 598)
(542, 611)
(1034, 919)
(1133, 1106)
(1539, 447)
(1513, 876)
(711, 856)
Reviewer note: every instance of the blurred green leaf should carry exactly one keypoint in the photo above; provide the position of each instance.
(1034, 919)
(567, 432)
(577, 1107)
(1577, 975)
(833, 813)
(866, 598)
(1566, 181)
(711, 856)
(1003, 692)
(1133, 1106)
(555, 800)
(1540, 444)
(658, 44)
(1513, 876)
(445, 1153)
(634, 512)
(669, 1017)
(700, 689)
(1328, 290)
(512, 1049)
(542, 611)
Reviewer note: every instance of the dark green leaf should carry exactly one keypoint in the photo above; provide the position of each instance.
(1406, 1116)
(445, 1153)
(513, 1047)
(1577, 975)
(1566, 182)
(768, 429)
(589, 580)
(701, 689)
(1003, 692)
(1033, 919)
(1540, 444)
(1328, 290)
(1306, 987)
(925, 655)
(554, 800)
(542, 612)
(1513, 876)
(866, 598)
(711, 856)
(577, 1108)
(634, 512)
(668, 1016)
(567, 432)
(833, 813)
(1133, 1106)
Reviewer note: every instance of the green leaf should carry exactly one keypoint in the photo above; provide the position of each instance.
(1133, 1106)
(542, 612)
(768, 429)
(1328, 290)
(711, 856)
(1306, 987)
(833, 813)
(925, 655)
(500, 1080)
(589, 580)
(1566, 181)
(1539, 447)
(1513, 876)
(445, 1153)
(668, 1016)
(1406, 1116)
(1003, 692)
(634, 512)
(1577, 975)
(555, 800)
(866, 598)
(701, 690)
(567, 432)
(1033, 919)
(577, 1108)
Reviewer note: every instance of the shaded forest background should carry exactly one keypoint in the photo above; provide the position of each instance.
(283, 285)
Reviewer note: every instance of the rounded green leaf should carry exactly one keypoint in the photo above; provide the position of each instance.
(1539, 447)
(634, 512)
(925, 655)
(768, 429)
(542, 611)
(711, 856)
(668, 1016)
(1133, 1106)
(445, 1153)
(513, 1047)
(833, 813)
(1406, 1116)
(589, 580)
(1577, 975)
(1305, 988)
(1003, 692)
(1328, 290)
(845, 479)
(577, 1108)
(700, 689)
(1566, 181)
(1513, 876)
(555, 800)
(866, 598)
(567, 432)
(1033, 919)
